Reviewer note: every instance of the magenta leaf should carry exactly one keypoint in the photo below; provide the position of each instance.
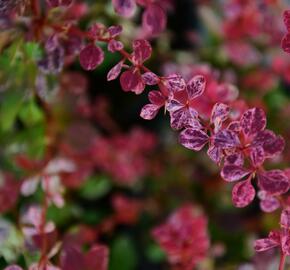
(285, 219)
(154, 20)
(257, 156)
(141, 51)
(115, 30)
(274, 182)
(243, 194)
(269, 204)
(125, 8)
(157, 98)
(226, 139)
(115, 71)
(219, 114)
(131, 80)
(97, 258)
(150, 78)
(193, 139)
(115, 46)
(195, 87)
(235, 159)
(182, 118)
(215, 154)
(91, 56)
(285, 241)
(286, 43)
(253, 121)
(13, 267)
(233, 173)
(72, 259)
(234, 126)
(149, 111)
(264, 244)
(174, 83)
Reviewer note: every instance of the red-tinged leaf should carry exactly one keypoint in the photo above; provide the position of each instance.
(72, 259)
(91, 56)
(115, 71)
(286, 43)
(193, 139)
(182, 118)
(193, 122)
(286, 17)
(215, 154)
(243, 194)
(125, 8)
(150, 78)
(195, 87)
(154, 20)
(149, 111)
(257, 155)
(115, 46)
(219, 114)
(174, 83)
(234, 126)
(235, 159)
(142, 51)
(274, 182)
(233, 173)
(253, 121)
(267, 243)
(115, 30)
(226, 139)
(131, 80)
(97, 258)
(285, 219)
(269, 204)
(156, 98)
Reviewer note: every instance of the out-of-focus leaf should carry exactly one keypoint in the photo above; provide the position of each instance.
(123, 254)
(95, 187)
(32, 50)
(155, 253)
(30, 113)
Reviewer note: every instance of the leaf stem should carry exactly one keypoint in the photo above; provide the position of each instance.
(282, 261)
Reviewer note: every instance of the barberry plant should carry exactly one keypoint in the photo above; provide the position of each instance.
(57, 152)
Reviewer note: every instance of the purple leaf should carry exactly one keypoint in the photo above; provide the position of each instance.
(91, 56)
(125, 8)
(235, 159)
(243, 193)
(182, 118)
(150, 78)
(257, 156)
(234, 126)
(131, 80)
(253, 121)
(219, 114)
(193, 139)
(115, 30)
(269, 204)
(149, 111)
(286, 18)
(215, 154)
(285, 219)
(141, 51)
(195, 87)
(233, 173)
(274, 182)
(72, 259)
(115, 71)
(154, 20)
(174, 83)
(115, 46)
(226, 139)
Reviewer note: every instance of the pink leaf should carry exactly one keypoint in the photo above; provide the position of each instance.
(269, 204)
(286, 43)
(174, 83)
(72, 259)
(154, 20)
(286, 17)
(150, 78)
(115, 30)
(115, 71)
(195, 87)
(225, 139)
(233, 173)
(274, 182)
(115, 46)
(91, 56)
(141, 51)
(266, 243)
(253, 121)
(13, 267)
(149, 111)
(215, 154)
(235, 159)
(125, 8)
(285, 241)
(131, 80)
(182, 118)
(97, 258)
(285, 219)
(243, 193)
(193, 139)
